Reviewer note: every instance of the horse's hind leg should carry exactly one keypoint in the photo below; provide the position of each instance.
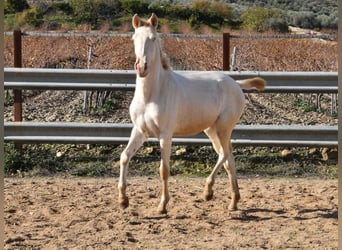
(135, 141)
(230, 168)
(222, 146)
(208, 189)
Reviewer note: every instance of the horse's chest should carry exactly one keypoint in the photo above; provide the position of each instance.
(147, 118)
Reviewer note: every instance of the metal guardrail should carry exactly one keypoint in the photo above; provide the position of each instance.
(108, 133)
(80, 79)
(94, 133)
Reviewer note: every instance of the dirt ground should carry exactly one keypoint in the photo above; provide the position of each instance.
(70, 213)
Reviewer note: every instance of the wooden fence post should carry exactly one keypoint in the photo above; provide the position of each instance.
(226, 51)
(17, 64)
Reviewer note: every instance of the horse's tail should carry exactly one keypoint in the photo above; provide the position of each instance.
(256, 82)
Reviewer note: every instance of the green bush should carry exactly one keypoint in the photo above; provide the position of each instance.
(261, 19)
(328, 22)
(131, 7)
(276, 23)
(170, 11)
(211, 13)
(14, 6)
(63, 7)
(30, 16)
(199, 12)
(305, 19)
(94, 11)
(15, 161)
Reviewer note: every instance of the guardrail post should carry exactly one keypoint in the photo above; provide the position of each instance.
(17, 64)
(18, 100)
(226, 51)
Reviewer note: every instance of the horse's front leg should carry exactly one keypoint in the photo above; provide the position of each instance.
(135, 141)
(165, 147)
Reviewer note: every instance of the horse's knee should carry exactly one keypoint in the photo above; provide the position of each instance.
(124, 158)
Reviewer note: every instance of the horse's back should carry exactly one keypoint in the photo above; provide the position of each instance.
(216, 85)
(208, 79)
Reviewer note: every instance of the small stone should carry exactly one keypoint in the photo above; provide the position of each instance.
(181, 151)
(329, 154)
(59, 154)
(149, 150)
(286, 152)
(313, 151)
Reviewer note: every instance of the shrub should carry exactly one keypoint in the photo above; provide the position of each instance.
(261, 19)
(64, 7)
(13, 6)
(328, 22)
(15, 161)
(30, 16)
(210, 13)
(170, 11)
(131, 7)
(276, 23)
(93, 11)
(304, 19)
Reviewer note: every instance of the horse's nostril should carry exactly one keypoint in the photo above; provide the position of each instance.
(136, 63)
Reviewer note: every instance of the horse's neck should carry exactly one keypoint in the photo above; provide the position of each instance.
(148, 88)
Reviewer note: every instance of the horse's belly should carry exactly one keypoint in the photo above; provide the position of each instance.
(193, 125)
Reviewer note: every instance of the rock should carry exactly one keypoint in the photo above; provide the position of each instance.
(286, 152)
(180, 151)
(313, 151)
(59, 154)
(149, 150)
(329, 154)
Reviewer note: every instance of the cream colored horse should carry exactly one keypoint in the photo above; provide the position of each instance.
(166, 103)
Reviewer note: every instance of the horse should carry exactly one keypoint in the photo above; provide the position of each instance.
(166, 103)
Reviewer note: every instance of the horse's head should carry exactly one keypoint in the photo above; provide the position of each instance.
(146, 44)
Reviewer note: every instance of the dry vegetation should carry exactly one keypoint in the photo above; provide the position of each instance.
(185, 53)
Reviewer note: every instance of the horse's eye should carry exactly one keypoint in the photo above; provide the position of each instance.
(153, 39)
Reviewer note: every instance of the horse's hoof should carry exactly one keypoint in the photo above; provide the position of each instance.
(123, 201)
(208, 195)
(232, 208)
(162, 211)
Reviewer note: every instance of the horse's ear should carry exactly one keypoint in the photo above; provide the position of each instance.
(136, 22)
(153, 20)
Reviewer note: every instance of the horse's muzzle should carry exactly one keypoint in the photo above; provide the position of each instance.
(141, 68)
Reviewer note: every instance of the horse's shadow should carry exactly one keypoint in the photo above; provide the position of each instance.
(249, 214)
(319, 213)
(269, 214)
